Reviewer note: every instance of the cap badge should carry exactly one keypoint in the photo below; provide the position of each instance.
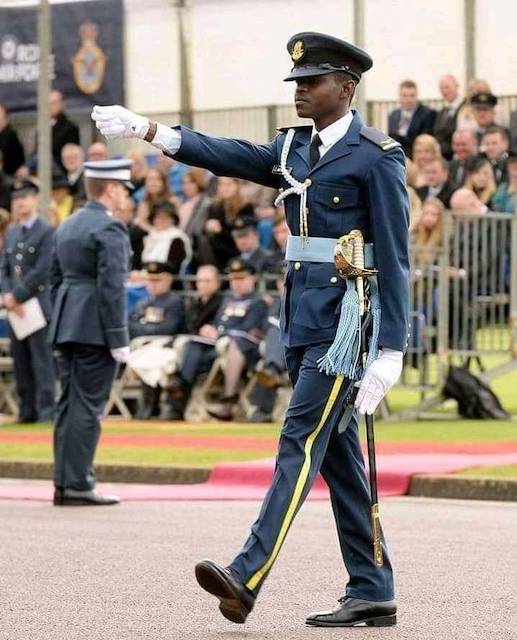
(298, 51)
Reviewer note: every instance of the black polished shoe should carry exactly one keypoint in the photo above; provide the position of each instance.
(352, 612)
(73, 498)
(236, 600)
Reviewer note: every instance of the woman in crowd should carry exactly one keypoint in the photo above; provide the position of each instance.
(505, 198)
(156, 189)
(165, 241)
(218, 246)
(415, 204)
(139, 171)
(425, 149)
(5, 221)
(428, 233)
(62, 204)
(193, 211)
(480, 179)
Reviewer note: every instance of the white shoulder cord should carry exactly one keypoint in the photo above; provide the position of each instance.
(299, 188)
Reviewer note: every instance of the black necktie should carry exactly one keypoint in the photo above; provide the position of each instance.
(314, 152)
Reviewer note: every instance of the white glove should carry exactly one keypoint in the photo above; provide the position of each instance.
(378, 379)
(120, 354)
(117, 122)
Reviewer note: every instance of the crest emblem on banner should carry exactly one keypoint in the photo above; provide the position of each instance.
(89, 63)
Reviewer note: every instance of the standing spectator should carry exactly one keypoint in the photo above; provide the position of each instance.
(165, 242)
(411, 119)
(26, 270)
(480, 180)
(72, 159)
(466, 118)
(6, 183)
(446, 118)
(438, 184)
(466, 204)
(415, 204)
(10, 145)
(505, 198)
(126, 213)
(63, 129)
(174, 171)
(246, 238)
(156, 189)
(495, 144)
(464, 148)
(194, 208)
(280, 235)
(218, 244)
(425, 149)
(428, 233)
(139, 169)
(62, 203)
(513, 132)
(97, 151)
(483, 110)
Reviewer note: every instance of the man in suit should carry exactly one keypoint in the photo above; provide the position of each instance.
(336, 175)
(436, 174)
(6, 184)
(64, 131)
(10, 145)
(26, 275)
(411, 119)
(88, 327)
(446, 118)
(72, 159)
(464, 148)
(496, 143)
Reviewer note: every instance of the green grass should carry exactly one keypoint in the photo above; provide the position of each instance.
(508, 471)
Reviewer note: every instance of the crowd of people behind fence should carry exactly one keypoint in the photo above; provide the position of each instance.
(213, 238)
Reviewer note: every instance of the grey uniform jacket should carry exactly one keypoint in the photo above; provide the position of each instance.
(89, 272)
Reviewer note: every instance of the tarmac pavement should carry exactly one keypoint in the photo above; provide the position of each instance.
(126, 572)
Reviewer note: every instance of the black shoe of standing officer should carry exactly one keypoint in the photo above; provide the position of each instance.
(352, 612)
(73, 498)
(236, 600)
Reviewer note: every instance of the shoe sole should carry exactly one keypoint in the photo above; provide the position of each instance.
(214, 583)
(378, 621)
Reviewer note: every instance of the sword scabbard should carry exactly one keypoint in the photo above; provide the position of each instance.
(376, 531)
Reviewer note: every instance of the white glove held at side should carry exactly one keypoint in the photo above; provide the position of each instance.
(117, 122)
(378, 379)
(121, 354)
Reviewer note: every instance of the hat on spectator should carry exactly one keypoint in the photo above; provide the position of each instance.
(117, 170)
(483, 101)
(23, 187)
(238, 268)
(59, 180)
(243, 224)
(316, 54)
(166, 207)
(155, 270)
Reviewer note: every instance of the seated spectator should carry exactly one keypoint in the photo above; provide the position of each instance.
(10, 146)
(428, 234)
(156, 189)
(466, 205)
(97, 151)
(163, 314)
(505, 198)
(72, 158)
(464, 149)
(425, 149)
(203, 308)
(6, 183)
(411, 119)
(174, 171)
(218, 246)
(193, 211)
(436, 174)
(483, 110)
(139, 169)
(415, 204)
(513, 132)
(240, 319)
(495, 144)
(446, 118)
(466, 119)
(62, 203)
(480, 180)
(63, 129)
(126, 213)
(281, 233)
(5, 221)
(246, 238)
(262, 198)
(165, 241)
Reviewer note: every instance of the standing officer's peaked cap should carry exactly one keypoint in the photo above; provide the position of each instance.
(316, 54)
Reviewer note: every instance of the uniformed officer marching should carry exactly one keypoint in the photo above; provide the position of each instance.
(26, 274)
(88, 326)
(337, 175)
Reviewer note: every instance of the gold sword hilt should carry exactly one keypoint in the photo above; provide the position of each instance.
(376, 531)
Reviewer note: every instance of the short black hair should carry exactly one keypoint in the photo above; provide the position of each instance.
(340, 77)
(495, 128)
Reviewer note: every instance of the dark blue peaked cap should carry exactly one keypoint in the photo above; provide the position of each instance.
(316, 54)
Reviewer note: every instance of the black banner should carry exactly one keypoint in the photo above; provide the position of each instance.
(87, 62)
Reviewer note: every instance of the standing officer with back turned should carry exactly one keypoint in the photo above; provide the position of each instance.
(88, 327)
(336, 176)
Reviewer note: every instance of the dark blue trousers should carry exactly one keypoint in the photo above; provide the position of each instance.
(309, 443)
(86, 373)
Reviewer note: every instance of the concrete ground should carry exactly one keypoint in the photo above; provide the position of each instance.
(127, 572)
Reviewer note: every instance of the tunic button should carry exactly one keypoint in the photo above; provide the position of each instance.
(335, 200)
(333, 279)
(19, 256)
(308, 182)
(297, 266)
(20, 245)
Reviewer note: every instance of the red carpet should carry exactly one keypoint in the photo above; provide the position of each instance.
(249, 481)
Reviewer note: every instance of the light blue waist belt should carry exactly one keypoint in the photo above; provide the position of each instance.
(320, 250)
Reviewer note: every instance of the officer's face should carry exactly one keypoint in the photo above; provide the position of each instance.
(246, 242)
(160, 286)
(319, 96)
(242, 285)
(484, 117)
(23, 207)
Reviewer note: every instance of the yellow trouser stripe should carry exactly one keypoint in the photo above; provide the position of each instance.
(300, 484)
